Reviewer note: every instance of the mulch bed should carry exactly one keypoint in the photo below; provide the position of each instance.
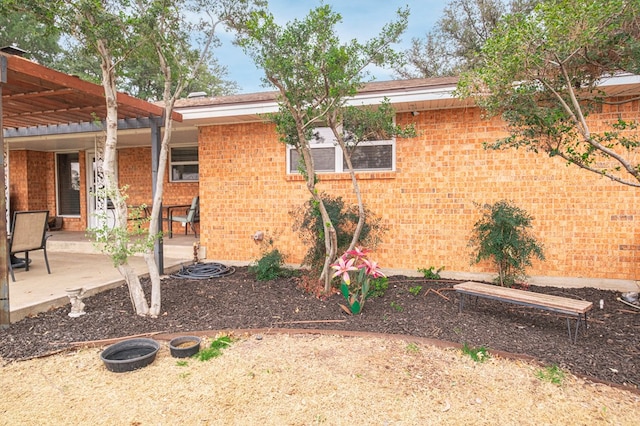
(610, 350)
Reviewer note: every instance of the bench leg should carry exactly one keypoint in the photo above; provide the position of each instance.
(586, 324)
(461, 305)
(574, 337)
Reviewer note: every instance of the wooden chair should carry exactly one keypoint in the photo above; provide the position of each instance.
(191, 217)
(28, 233)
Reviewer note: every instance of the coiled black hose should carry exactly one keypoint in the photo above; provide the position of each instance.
(203, 271)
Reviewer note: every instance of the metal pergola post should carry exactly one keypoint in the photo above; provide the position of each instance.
(156, 142)
(5, 312)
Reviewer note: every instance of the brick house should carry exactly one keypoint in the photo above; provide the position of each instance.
(424, 189)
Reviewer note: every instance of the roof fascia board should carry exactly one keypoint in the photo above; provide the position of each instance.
(396, 97)
(424, 94)
(211, 111)
(620, 80)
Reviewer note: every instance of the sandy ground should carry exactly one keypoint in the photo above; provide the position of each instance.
(305, 380)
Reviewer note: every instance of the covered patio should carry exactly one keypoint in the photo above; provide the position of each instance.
(59, 110)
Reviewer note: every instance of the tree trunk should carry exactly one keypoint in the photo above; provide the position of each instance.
(156, 287)
(330, 235)
(154, 274)
(356, 189)
(136, 293)
(109, 83)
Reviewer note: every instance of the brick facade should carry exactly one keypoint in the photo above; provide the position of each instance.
(32, 180)
(587, 224)
(134, 170)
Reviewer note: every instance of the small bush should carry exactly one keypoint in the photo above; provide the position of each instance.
(503, 236)
(415, 290)
(432, 273)
(308, 224)
(398, 307)
(552, 374)
(378, 287)
(215, 349)
(270, 266)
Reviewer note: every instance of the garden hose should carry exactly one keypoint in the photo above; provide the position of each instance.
(203, 271)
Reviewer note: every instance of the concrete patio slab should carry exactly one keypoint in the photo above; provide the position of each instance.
(75, 263)
(36, 291)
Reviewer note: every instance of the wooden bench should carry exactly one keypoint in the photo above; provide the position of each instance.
(562, 305)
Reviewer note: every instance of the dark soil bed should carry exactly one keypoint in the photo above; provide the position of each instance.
(609, 351)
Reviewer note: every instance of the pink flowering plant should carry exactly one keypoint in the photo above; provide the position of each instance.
(356, 272)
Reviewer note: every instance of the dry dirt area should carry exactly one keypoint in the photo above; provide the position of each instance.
(399, 378)
(306, 380)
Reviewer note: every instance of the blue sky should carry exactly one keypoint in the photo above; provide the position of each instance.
(361, 19)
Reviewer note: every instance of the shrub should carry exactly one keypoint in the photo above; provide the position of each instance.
(432, 273)
(308, 224)
(270, 266)
(215, 349)
(503, 235)
(378, 287)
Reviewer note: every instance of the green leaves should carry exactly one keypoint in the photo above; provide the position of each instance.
(542, 73)
(502, 235)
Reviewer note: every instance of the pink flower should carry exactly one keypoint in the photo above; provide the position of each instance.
(358, 252)
(342, 267)
(372, 268)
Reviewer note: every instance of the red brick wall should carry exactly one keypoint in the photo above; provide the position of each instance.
(32, 180)
(588, 225)
(30, 174)
(19, 180)
(33, 184)
(134, 169)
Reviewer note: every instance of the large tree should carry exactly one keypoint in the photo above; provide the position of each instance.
(22, 25)
(544, 72)
(24, 30)
(315, 75)
(165, 32)
(159, 32)
(455, 41)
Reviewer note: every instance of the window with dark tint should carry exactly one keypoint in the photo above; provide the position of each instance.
(324, 159)
(371, 157)
(184, 164)
(68, 185)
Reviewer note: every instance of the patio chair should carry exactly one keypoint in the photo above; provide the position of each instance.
(28, 233)
(191, 217)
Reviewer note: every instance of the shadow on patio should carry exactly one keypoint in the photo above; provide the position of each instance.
(75, 263)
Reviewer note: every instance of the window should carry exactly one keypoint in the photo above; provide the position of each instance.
(184, 164)
(68, 184)
(328, 158)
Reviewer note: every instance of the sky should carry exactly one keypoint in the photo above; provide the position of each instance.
(361, 19)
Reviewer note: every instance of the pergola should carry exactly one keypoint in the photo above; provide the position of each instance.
(36, 100)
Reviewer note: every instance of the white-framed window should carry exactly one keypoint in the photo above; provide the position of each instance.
(328, 157)
(183, 164)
